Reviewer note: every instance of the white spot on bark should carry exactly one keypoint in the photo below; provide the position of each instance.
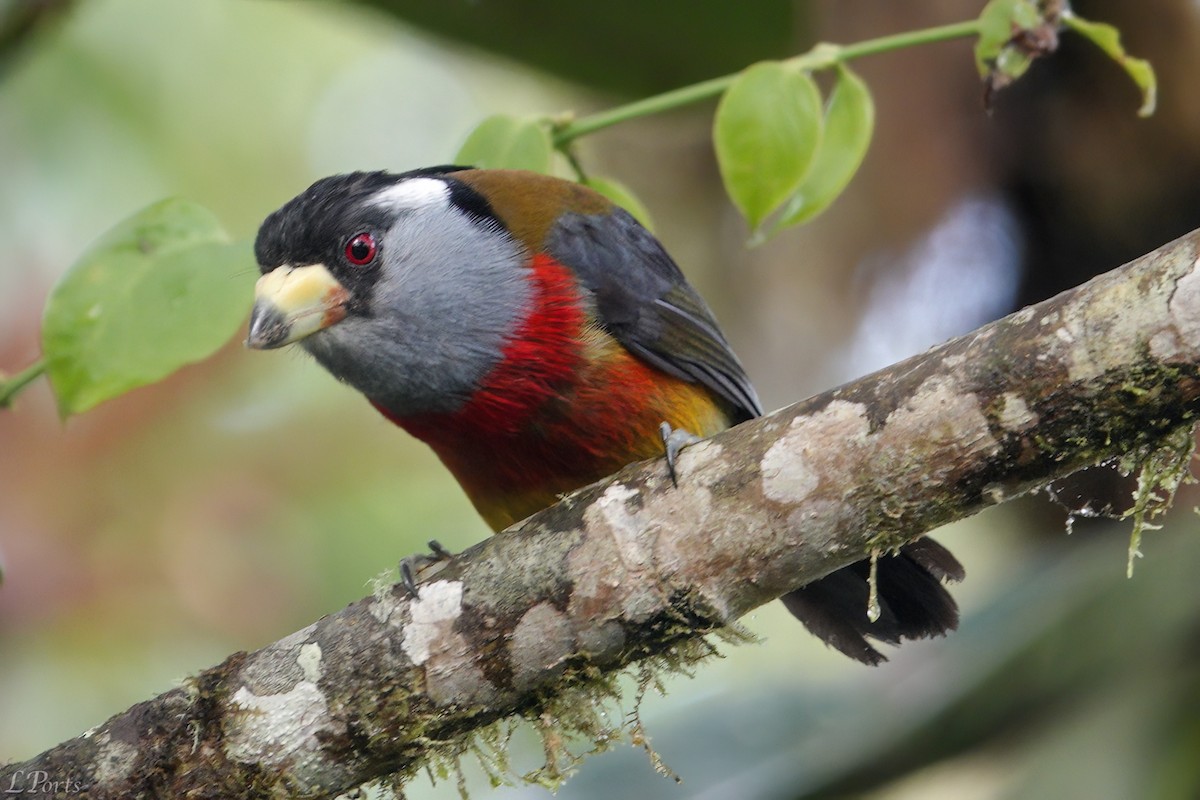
(1108, 329)
(788, 471)
(275, 729)
(938, 414)
(1081, 365)
(623, 525)
(626, 567)
(609, 573)
(114, 759)
(432, 614)
(310, 661)
(1184, 311)
(1022, 317)
(1014, 413)
(612, 503)
(430, 641)
(1166, 345)
(786, 475)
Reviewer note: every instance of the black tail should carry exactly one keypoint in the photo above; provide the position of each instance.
(913, 603)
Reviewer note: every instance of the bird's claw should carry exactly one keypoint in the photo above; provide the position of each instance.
(412, 566)
(438, 550)
(407, 576)
(674, 440)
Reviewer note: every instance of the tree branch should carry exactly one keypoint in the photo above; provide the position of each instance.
(632, 568)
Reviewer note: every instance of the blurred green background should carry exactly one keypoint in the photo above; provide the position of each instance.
(248, 495)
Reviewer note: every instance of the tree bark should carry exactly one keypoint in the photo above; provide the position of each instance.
(632, 568)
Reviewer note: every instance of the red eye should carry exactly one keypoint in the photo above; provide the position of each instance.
(361, 249)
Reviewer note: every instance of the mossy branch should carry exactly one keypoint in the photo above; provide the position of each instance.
(632, 570)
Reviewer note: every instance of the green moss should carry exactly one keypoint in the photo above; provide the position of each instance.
(1161, 469)
(581, 719)
(574, 724)
(381, 585)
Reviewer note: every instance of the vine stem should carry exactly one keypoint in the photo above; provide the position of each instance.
(12, 385)
(822, 56)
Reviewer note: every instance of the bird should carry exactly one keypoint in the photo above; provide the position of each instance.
(538, 338)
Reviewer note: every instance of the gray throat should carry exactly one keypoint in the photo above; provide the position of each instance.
(450, 294)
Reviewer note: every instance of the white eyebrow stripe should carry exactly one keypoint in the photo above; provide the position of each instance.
(412, 194)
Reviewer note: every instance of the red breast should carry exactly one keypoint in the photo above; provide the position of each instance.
(566, 406)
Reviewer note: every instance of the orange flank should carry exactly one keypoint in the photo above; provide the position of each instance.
(611, 419)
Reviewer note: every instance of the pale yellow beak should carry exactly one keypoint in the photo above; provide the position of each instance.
(293, 302)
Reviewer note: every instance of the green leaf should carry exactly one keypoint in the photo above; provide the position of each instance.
(1108, 39)
(767, 128)
(999, 20)
(619, 193)
(160, 290)
(506, 142)
(849, 123)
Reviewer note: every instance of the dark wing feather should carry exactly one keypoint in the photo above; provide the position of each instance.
(645, 302)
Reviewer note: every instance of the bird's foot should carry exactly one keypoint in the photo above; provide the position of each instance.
(412, 566)
(674, 440)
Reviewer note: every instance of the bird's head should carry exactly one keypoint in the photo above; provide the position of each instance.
(405, 286)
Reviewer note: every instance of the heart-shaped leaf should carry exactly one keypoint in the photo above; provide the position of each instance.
(507, 142)
(767, 128)
(849, 124)
(160, 290)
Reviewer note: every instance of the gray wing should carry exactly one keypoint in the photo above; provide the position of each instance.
(645, 302)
